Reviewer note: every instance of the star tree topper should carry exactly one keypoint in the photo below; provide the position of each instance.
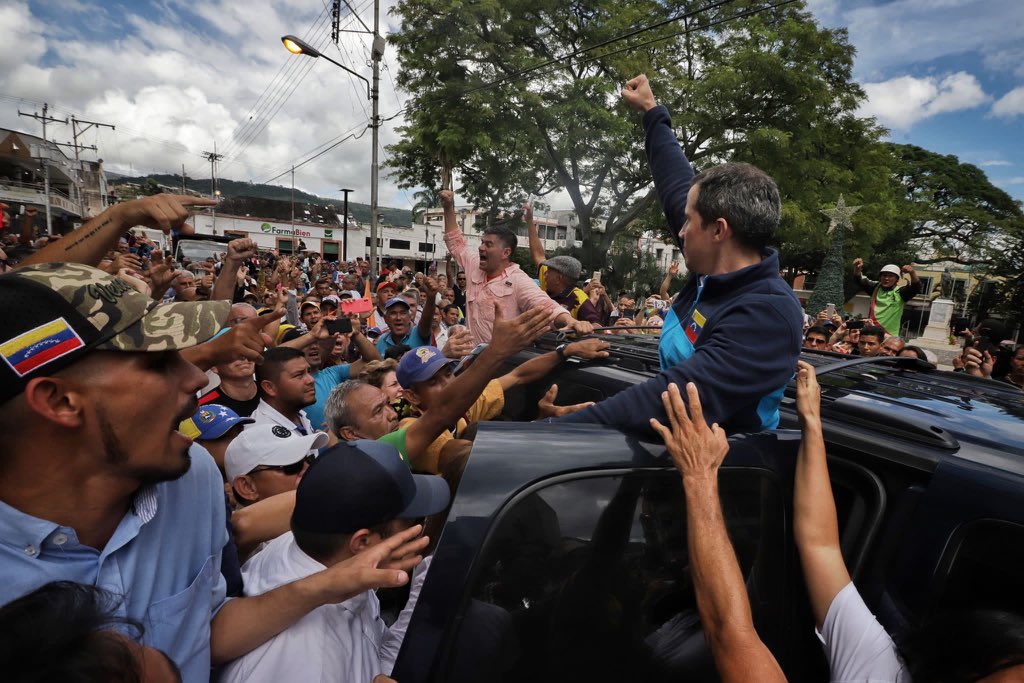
(840, 215)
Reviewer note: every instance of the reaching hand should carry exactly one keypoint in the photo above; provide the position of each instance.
(582, 327)
(808, 394)
(460, 343)
(528, 214)
(384, 565)
(858, 265)
(546, 406)
(674, 268)
(163, 212)
(908, 269)
(244, 340)
(696, 449)
(509, 337)
(132, 278)
(588, 349)
(161, 275)
(638, 94)
(447, 199)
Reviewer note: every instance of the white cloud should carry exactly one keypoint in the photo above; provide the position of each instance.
(1016, 180)
(901, 102)
(175, 77)
(1010, 105)
(996, 162)
(894, 34)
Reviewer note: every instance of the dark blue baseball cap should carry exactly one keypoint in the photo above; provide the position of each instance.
(213, 420)
(420, 364)
(358, 484)
(396, 301)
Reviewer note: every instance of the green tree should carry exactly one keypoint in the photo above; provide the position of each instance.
(956, 213)
(427, 198)
(773, 88)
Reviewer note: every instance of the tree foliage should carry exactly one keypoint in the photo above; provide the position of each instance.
(772, 88)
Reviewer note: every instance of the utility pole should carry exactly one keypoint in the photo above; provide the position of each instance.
(377, 53)
(46, 167)
(213, 158)
(293, 201)
(344, 229)
(76, 131)
(335, 20)
(184, 178)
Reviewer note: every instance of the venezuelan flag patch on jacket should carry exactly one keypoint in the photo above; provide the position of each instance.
(694, 327)
(39, 346)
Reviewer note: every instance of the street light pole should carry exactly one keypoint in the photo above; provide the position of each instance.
(377, 52)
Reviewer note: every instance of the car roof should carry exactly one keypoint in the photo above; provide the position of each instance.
(968, 409)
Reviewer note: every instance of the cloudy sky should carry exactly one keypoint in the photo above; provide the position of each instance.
(176, 77)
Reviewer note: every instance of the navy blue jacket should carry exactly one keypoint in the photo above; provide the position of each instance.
(742, 331)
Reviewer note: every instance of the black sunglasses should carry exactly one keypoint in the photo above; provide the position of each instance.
(289, 470)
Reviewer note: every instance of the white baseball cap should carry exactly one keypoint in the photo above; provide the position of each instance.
(268, 445)
(891, 268)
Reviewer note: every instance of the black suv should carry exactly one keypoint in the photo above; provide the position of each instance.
(564, 556)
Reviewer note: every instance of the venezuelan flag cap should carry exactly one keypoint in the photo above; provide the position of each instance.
(55, 313)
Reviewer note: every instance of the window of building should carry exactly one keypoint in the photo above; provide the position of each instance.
(561, 234)
(380, 242)
(426, 247)
(550, 232)
(331, 250)
(285, 246)
(588, 579)
(959, 289)
(237, 234)
(399, 244)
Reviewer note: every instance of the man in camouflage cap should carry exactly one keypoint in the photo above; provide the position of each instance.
(98, 486)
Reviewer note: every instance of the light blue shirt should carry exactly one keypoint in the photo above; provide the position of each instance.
(412, 340)
(163, 560)
(325, 380)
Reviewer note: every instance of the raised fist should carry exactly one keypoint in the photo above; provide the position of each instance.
(638, 94)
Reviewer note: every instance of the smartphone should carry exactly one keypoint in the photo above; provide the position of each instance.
(356, 306)
(830, 310)
(628, 313)
(855, 325)
(339, 326)
(596, 277)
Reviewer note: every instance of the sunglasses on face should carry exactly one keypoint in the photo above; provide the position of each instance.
(288, 470)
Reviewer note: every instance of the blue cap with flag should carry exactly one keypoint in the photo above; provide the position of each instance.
(213, 419)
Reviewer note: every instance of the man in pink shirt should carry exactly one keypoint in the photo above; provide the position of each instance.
(491, 276)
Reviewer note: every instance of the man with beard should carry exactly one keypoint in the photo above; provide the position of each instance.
(316, 346)
(98, 487)
(288, 387)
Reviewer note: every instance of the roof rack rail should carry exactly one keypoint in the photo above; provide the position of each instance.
(901, 362)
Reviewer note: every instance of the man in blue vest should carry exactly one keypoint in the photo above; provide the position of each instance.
(735, 329)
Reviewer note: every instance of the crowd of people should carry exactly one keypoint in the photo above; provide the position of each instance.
(212, 467)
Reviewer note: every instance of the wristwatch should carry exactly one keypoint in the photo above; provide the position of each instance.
(560, 350)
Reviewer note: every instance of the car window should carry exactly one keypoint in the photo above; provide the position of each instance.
(589, 579)
(982, 567)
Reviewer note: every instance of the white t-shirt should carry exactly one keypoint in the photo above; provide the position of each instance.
(343, 643)
(857, 647)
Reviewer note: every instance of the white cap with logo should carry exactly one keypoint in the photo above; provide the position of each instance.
(268, 445)
(891, 268)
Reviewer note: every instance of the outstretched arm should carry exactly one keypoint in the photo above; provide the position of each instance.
(510, 336)
(673, 270)
(536, 246)
(238, 251)
(722, 602)
(815, 526)
(90, 243)
(670, 168)
(539, 367)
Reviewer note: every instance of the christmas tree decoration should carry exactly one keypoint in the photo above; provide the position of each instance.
(829, 287)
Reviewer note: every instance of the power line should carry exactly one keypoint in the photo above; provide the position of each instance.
(240, 145)
(350, 136)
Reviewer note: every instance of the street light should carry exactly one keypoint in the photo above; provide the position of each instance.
(298, 46)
